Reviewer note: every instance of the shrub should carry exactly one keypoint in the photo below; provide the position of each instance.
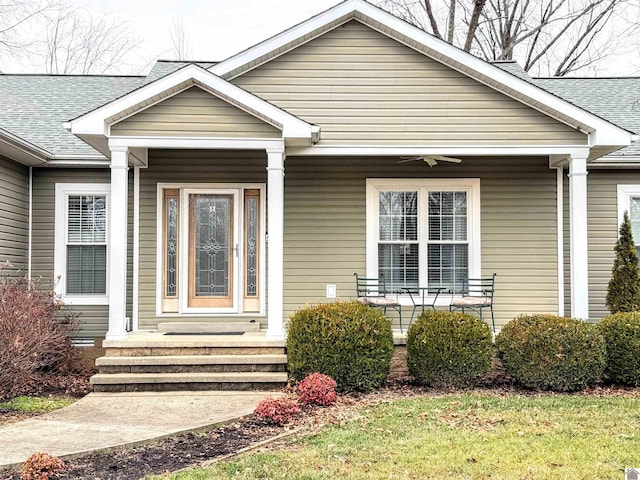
(34, 335)
(552, 353)
(350, 342)
(277, 410)
(623, 291)
(448, 349)
(41, 466)
(621, 332)
(317, 389)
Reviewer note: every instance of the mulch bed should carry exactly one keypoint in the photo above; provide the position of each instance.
(192, 449)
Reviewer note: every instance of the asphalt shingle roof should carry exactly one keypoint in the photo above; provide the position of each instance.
(33, 107)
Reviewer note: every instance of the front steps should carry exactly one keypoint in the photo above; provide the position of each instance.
(160, 362)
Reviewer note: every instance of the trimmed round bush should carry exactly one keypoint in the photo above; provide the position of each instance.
(548, 352)
(621, 332)
(277, 411)
(317, 389)
(348, 341)
(448, 349)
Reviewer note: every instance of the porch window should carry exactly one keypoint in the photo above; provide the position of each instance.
(81, 242)
(422, 232)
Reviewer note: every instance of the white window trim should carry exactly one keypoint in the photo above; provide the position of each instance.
(625, 193)
(469, 185)
(208, 312)
(62, 192)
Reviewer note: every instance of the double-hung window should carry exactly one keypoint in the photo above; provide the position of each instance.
(81, 214)
(423, 232)
(629, 201)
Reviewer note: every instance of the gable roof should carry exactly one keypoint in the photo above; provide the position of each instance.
(96, 123)
(33, 108)
(601, 131)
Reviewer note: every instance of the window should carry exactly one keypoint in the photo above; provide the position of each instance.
(423, 232)
(629, 201)
(81, 215)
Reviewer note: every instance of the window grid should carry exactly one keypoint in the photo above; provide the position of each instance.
(86, 249)
(443, 238)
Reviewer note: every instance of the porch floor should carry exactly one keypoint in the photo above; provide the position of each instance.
(148, 339)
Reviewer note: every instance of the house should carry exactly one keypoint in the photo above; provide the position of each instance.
(238, 191)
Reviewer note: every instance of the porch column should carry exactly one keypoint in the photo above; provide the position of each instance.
(117, 274)
(578, 236)
(275, 246)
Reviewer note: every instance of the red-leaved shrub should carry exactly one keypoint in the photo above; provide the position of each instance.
(317, 389)
(34, 335)
(277, 410)
(41, 466)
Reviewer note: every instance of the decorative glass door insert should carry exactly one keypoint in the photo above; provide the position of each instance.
(211, 250)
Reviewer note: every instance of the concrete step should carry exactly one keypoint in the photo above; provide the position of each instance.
(192, 363)
(192, 350)
(134, 382)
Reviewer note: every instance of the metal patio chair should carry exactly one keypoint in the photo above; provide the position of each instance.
(477, 294)
(373, 293)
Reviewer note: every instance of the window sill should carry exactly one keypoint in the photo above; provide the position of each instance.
(85, 300)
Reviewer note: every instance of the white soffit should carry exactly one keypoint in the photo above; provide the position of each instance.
(599, 130)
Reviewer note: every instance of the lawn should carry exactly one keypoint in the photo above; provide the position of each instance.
(35, 405)
(470, 436)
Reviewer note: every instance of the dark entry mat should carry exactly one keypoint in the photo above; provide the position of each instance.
(204, 333)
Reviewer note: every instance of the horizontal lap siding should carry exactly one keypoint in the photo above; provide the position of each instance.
(195, 112)
(93, 319)
(325, 226)
(185, 166)
(602, 204)
(362, 87)
(14, 216)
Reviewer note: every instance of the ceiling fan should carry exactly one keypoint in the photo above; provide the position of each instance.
(430, 160)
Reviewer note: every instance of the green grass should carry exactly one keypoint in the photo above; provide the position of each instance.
(464, 436)
(27, 404)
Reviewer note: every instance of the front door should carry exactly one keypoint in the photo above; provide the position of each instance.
(212, 249)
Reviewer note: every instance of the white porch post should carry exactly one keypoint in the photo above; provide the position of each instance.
(117, 274)
(275, 246)
(578, 236)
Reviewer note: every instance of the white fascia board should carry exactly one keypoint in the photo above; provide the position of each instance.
(196, 143)
(281, 40)
(451, 150)
(605, 133)
(95, 122)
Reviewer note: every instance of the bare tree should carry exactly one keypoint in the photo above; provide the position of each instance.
(549, 36)
(15, 17)
(180, 47)
(78, 42)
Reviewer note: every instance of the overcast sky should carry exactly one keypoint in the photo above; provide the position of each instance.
(217, 29)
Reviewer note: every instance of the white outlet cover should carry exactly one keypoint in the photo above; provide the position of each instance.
(331, 291)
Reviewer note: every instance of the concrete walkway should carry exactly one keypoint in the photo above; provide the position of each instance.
(104, 420)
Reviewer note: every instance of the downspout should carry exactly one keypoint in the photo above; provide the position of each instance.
(30, 235)
(560, 229)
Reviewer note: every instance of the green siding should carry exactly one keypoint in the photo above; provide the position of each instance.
(195, 112)
(93, 318)
(602, 204)
(364, 88)
(325, 226)
(14, 216)
(185, 166)
(325, 222)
